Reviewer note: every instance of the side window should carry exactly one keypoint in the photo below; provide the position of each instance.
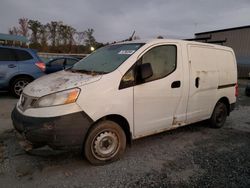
(58, 62)
(7, 55)
(128, 79)
(71, 61)
(162, 60)
(22, 55)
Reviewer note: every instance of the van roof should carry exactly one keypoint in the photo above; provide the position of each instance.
(156, 41)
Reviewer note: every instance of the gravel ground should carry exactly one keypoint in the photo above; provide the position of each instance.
(191, 156)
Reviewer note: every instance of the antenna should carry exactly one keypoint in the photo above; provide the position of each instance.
(128, 39)
(131, 38)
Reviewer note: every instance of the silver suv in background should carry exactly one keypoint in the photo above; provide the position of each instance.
(18, 67)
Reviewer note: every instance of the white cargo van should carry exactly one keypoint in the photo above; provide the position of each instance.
(127, 91)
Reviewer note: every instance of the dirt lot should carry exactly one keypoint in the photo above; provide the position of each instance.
(192, 156)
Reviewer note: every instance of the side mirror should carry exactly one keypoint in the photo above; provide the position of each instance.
(146, 71)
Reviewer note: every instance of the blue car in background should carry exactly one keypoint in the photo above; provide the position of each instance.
(18, 67)
(60, 63)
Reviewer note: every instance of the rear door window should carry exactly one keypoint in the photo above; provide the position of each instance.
(7, 55)
(57, 62)
(71, 62)
(23, 55)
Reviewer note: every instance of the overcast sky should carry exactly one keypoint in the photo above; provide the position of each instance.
(115, 20)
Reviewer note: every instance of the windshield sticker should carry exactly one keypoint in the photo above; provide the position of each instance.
(126, 52)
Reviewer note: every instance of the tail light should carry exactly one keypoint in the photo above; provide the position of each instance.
(236, 90)
(41, 65)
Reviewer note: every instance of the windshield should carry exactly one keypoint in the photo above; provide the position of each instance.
(106, 59)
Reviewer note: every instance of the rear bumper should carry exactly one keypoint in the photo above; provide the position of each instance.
(59, 132)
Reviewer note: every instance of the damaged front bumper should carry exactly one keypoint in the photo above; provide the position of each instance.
(61, 132)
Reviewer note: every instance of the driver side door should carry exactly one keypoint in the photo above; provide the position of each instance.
(157, 98)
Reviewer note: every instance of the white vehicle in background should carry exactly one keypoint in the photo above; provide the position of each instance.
(126, 91)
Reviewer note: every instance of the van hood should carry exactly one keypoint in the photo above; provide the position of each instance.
(58, 81)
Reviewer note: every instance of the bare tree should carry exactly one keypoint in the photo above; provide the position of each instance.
(71, 32)
(44, 37)
(58, 39)
(55, 36)
(13, 31)
(62, 34)
(52, 28)
(65, 37)
(23, 27)
(65, 33)
(89, 38)
(80, 37)
(35, 27)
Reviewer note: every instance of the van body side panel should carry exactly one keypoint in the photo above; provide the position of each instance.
(227, 67)
(203, 82)
(227, 75)
(213, 75)
(181, 110)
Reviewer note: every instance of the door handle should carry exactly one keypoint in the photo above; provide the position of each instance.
(176, 84)
(11, 65)
(197, 82)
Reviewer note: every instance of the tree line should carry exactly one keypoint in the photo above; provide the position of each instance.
(55, 36)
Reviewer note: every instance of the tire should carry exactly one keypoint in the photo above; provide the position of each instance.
(105, 143)
(219, 115)
(17, 85)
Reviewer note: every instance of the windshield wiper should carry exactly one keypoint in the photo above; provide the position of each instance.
(86, 71)
(99, 72)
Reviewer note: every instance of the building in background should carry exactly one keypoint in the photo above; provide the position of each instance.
(237, 38)
(6, 39)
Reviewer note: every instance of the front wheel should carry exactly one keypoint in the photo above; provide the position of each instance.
(219, 115)
(105, 143)
(18, 85)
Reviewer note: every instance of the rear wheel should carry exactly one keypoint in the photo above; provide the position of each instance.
(17, 85)
(219, 115)
(105, 143)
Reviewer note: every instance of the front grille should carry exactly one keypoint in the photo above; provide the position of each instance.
(26, 102)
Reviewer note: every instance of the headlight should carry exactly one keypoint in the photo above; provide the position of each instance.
(59, 98)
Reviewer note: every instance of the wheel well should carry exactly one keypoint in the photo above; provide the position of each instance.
(18, 76)
(120, 120)
(225, 101)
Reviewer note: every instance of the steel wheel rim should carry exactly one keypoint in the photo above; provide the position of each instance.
(105, 145)
(18, 87)
(220, 115)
